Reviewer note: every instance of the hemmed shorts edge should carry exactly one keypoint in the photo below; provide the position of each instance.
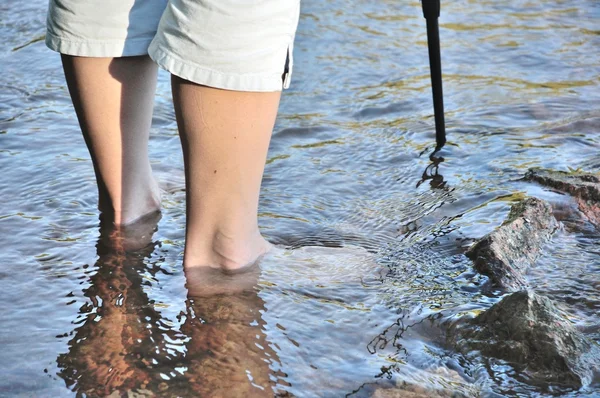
(211, 78)
(98, 48)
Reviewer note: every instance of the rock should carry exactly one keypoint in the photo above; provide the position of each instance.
(162, 387)
(406, 393)
(505, 254)
(584, 187)
(414, 391)
(438, 382)
(529, 332)
(140, 393)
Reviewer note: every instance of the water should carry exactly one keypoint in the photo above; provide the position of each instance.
(348, 165)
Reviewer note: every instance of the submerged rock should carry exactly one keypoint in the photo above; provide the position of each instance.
(139, 393)
(433, 382)
(505, 254)
(534, 336)
(584, 187)
(410, 392)
(438, 383)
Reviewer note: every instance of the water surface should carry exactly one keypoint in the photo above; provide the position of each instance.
(348, 165)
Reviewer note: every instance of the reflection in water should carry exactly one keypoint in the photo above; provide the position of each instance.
(431, 173)
(122, 344)
(110, 350)
(228, 354)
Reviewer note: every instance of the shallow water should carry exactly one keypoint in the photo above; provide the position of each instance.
(348, 165)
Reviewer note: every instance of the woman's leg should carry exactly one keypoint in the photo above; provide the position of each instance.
(113, 99)
(225, 136)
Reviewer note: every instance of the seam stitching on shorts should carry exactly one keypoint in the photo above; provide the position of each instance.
(84, 41)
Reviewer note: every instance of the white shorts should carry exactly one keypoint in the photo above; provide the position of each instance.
(242, 45)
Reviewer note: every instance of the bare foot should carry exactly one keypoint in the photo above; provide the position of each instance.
(224, 252)
(208, 281)
(140, 203)
(321, 268)
(131, 237)
(313, 264)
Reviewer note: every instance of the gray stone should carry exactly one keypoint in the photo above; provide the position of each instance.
(435, 382)
(529, 332)
(584, 187)
(505, 254)
(140, 393)
(409, 392)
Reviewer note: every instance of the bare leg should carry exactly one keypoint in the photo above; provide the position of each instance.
(225, 136)
(114, 98)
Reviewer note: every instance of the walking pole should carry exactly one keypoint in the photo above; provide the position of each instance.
(431, 12)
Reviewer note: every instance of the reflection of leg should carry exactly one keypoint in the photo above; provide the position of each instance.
(115, 345)
(225, 136)
(228, 353)
(113, 98)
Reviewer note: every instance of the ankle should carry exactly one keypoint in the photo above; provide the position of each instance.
(126, 208)
(224, 251)
(236, 252)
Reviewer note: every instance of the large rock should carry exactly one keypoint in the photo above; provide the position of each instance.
(534, 336)
(584, 187)
(505, 254)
